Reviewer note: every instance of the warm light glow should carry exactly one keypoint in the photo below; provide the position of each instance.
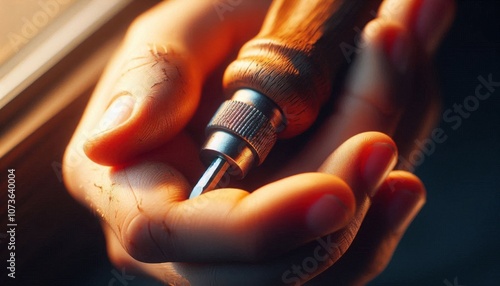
(36, 34)
(21, 21)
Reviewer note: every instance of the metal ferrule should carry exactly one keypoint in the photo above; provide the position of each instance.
(243, 131)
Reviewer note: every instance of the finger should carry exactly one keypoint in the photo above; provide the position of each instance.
(378, 160)
(152, 86)
(363, 162)
(232, 225)
(418, 121)
(376, 93)
(427, 21)
(396, 204)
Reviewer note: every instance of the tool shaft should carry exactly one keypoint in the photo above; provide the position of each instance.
(211, 177)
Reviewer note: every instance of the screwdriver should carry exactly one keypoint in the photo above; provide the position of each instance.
(279, 82)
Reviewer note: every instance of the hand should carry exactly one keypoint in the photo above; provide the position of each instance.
(142, 130)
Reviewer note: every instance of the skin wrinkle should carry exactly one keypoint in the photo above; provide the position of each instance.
(138, 204)
(98, 212)
(166, 229)
(333, 257)
(348, 234)
(164, 80)
(156, 242)
(161, 57)
(128, 241)
(135, 67)
(157, 58)
(152, 60)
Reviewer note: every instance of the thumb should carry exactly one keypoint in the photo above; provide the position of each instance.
(152, 86)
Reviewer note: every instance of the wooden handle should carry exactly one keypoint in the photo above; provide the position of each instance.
(296, 54)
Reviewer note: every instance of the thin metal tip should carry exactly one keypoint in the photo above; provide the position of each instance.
(211, 177)
(197, 190)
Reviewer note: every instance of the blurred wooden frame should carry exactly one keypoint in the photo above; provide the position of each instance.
(57, 241)
(34, 105)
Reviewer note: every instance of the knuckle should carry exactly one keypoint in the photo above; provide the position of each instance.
(145, 241)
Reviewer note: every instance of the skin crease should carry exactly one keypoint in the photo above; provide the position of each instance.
(137, 176)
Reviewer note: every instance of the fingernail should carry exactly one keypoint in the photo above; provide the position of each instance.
(404, 207)
(117, 113)
(431, 22)
(379, 160)
(327, 214)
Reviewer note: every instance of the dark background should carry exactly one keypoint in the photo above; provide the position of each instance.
(457, 233)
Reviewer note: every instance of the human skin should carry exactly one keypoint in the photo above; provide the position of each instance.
(134, 156)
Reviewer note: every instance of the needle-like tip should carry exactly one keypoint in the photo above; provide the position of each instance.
(211, 177)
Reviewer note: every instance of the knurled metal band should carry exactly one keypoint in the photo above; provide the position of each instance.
(248, 123)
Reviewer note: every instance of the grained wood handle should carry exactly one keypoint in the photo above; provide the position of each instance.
(296, 54)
